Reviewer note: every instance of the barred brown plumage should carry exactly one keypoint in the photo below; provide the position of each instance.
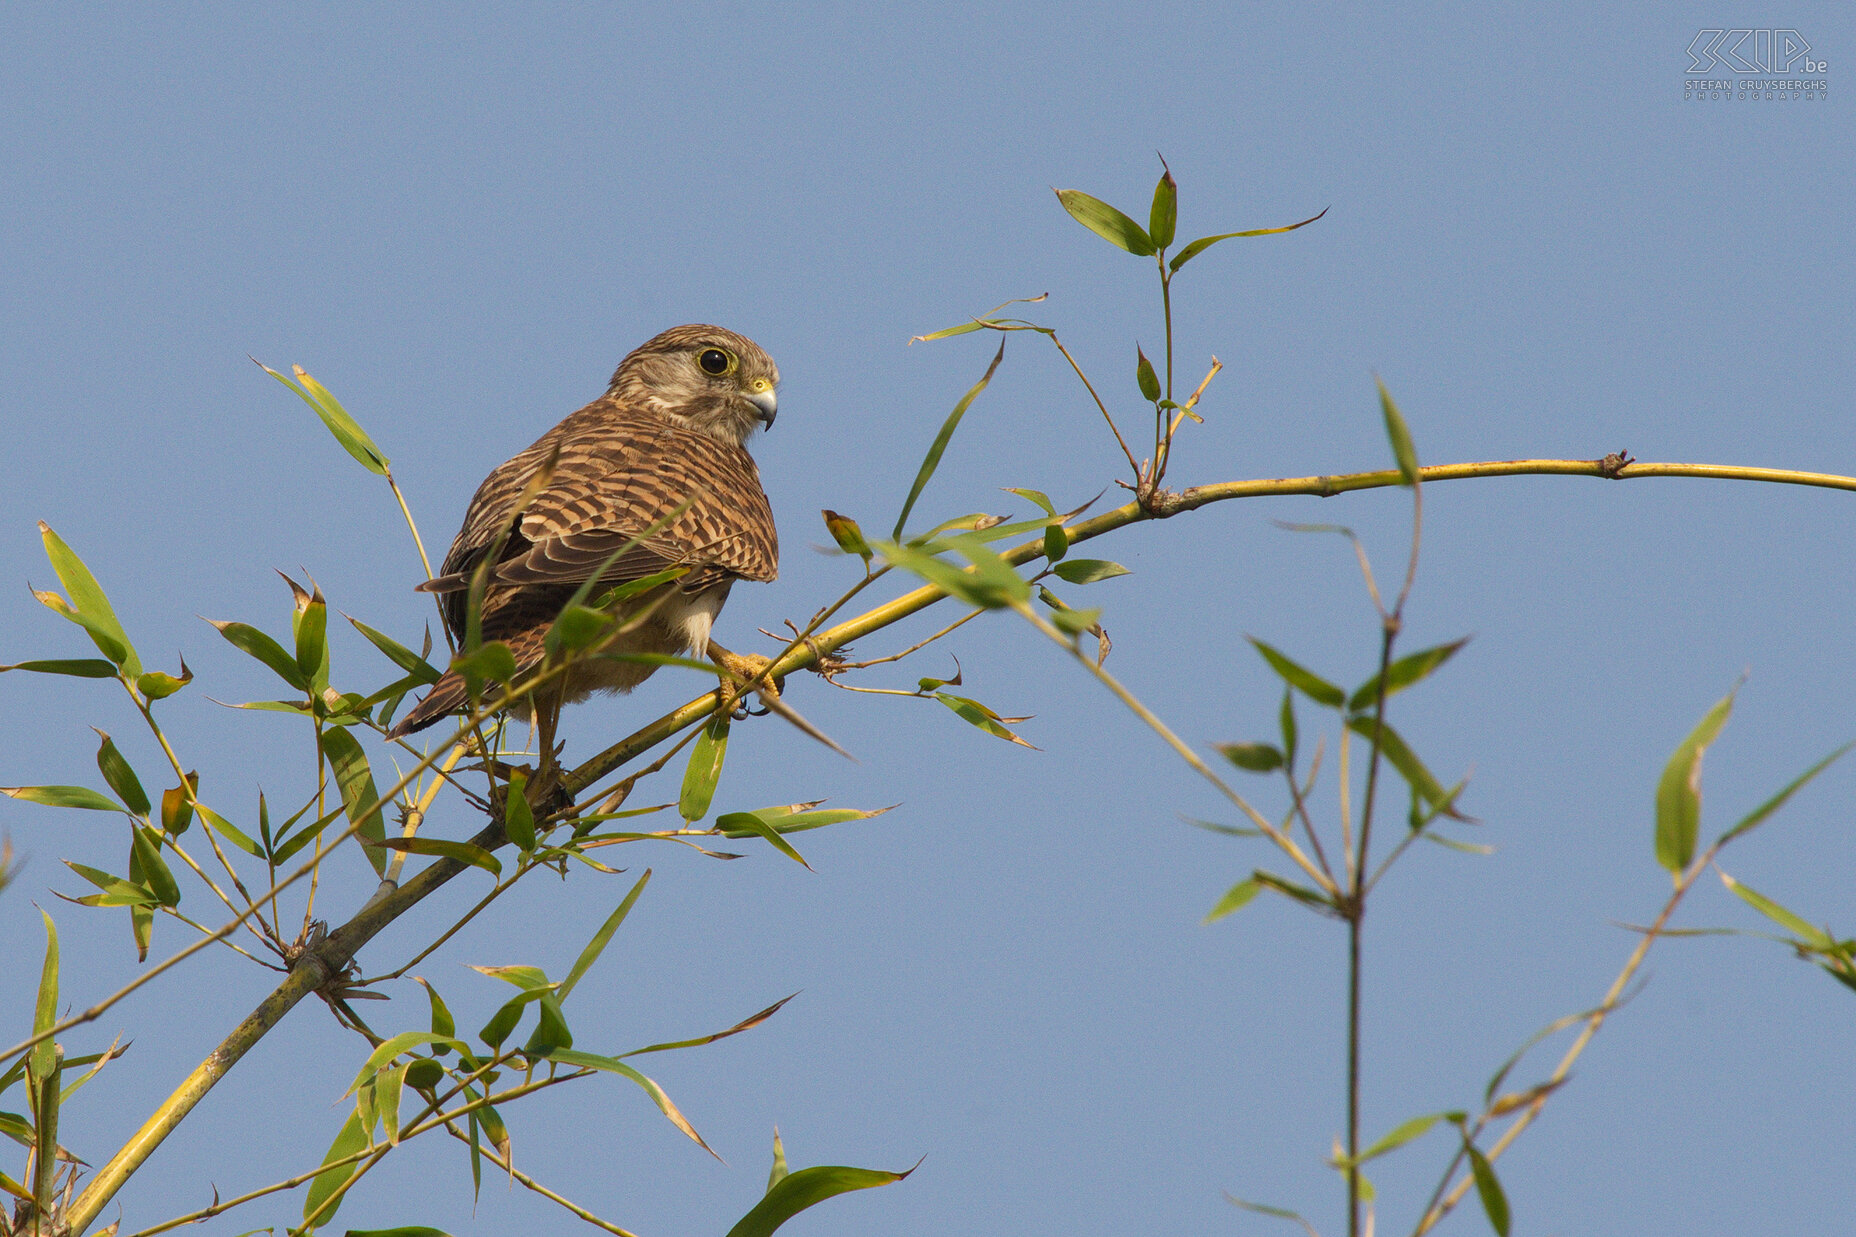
(669, 430)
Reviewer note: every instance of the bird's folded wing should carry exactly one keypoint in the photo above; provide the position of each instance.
(572, 559)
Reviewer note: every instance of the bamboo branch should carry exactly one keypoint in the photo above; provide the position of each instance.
(320, 965)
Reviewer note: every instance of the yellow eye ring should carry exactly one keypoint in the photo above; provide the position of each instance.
(716, 361)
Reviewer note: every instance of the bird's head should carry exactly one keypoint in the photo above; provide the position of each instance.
(704, 378)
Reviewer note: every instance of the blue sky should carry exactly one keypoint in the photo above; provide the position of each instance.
(460, 218)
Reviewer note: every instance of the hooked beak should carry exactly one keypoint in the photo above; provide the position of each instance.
(765, 404)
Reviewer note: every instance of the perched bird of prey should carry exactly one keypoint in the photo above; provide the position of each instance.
(669, 430)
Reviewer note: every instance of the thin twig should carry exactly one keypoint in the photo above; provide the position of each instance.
(1285, 843)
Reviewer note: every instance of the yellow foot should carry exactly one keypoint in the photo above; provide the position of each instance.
(746, 668)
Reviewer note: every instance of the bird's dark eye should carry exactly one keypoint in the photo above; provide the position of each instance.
(714, 361)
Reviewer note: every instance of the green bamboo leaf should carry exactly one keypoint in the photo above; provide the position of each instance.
(1230, 831)
(790, 819)
(847, 534)
(495, 1129)
(421, 670)
(779, 1171)
(135, 897)
(601, 938)
(1412, 668)
(145, 853)
(43, 1058)
(987, 320)
(142, 929)
(1106, 222)
(239, 838)
(977, 714)
(704, 770)
(806, 1188)
(359, 797)
(1758, 816)
(1252, 757)
(932, 460)
(1206, 242)
(1678, 792)
(250, 640)
(298, 707)
(973, 521)
(63, 796)
(1144, 376)
(405, 1230)
(995, 577)
(579, 627)
(158, 685)
(1286, 721)
(116, 890)
(440, 848)
(20, 1131)
(664, 659)
(501, 1023)
(527, 978)
(1307, 682)
(1811, 937)
(1088, 570)
(1163, 219)
(1034, 496)
(1488, 1189)
(1397, 1137)
(1399, 435)
(1399, 754)
(76, 667)
(551, 1028)
(1056, 542)
(88, 601)
(309, 624)
(443, 1024)
(518, 816)
(745, 1024)
(352, 1138)
(551, 1033)
(120, 776)
(108, 644)
(988, 592)
(965, 328)
(746, 824)
(347, 431)
(1264, 1209)
(1289, 889)
(611, 1065)
(1076, 622)
(476, 1154)
(492, 660)
(1462, 848)
(1235, 898)
(392, 1048)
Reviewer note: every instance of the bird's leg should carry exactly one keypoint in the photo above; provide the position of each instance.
(547, 714)
(749, 669)
(547, 704)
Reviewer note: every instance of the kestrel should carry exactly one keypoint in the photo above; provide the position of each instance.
(669, 430)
